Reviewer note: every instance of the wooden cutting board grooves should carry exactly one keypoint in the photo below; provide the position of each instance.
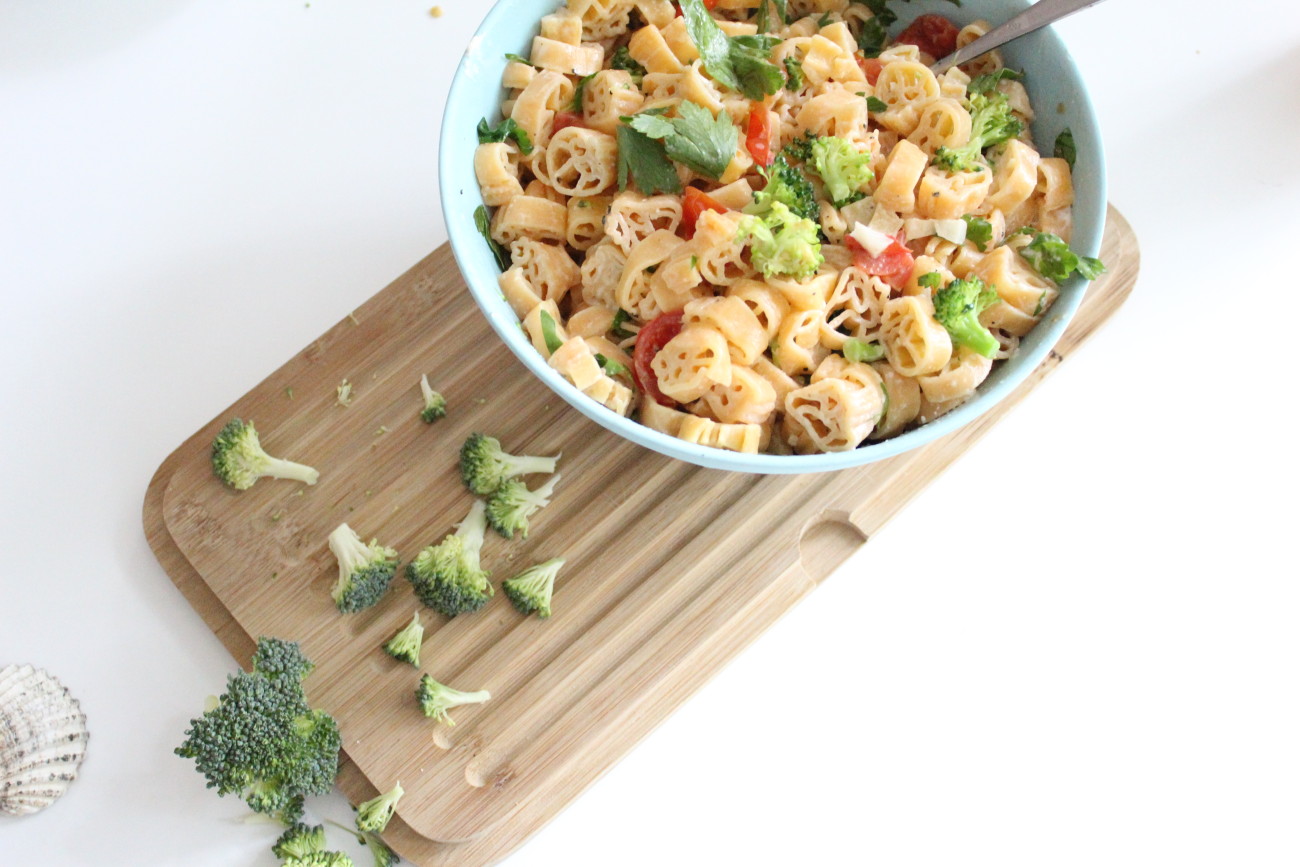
(642, 619)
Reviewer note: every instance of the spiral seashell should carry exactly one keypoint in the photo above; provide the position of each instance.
(42, 739)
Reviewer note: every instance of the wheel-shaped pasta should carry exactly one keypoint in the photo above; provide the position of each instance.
(833, 224)
(813, 293)
(658, 417)
(582, 59)
(782, 383)
(854, 310)
(945, 195)
(633, 217)
(853, 372)
(1015, 176)
(496, 164)
(942, 123)
(633, 291)
(749, 399)
(896, 189)
(953, 84)
(649, 48)
(602, 19)
(833, 414)
(591, 322)
(1017, 284)
(744, 438)
(798, 348)
(732, 318)
(1055, 184)
(906, 87)
(582, 162)
(915, 343)
(959, 378)
(691, 363)
(564, 25)
(902, 400)
(576, 362)
(536, 106)
(1059, 222)
(530, 217)
(547, 268)
(601, 271)
(678, 281)
(768, 306)
(719, 251)
(841, 113)
(608, 97)
(586, 226)
(986, 63)
(932, 411)
(517, 76)
(519, 293)
(611, 393)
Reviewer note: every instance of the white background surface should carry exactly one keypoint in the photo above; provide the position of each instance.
(1077, 647)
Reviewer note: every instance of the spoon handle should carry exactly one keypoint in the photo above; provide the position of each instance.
(1035, 17)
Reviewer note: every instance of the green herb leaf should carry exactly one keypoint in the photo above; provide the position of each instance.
(711, 42)
(515, 58)
(876, 105)
(933, 280)
(616, 327)
(550, 335)
(581, 91)
(741, 63)
(1064, 148)
(507, 129)
(858, 350)
(979, 232)
(484, 225)
(764, 17)
(694, 138)
(611, 367)
(1053, 258)
(622, 59)
(751, 58)
(643, 163)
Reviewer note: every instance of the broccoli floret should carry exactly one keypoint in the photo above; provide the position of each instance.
(379, 851)
(405, 645)
(299, 841)
(512, 504)
(365, 571)
(435, 405)
(436, 699)
(783, 243)
(276, 658)
(530, 591)
(788, 186)
(958, 309)
(992, 123)
(843, 169)
(373, 815)
(448, 577)
(239, 460)
(484, 465)
(321, 859)
(262, 742)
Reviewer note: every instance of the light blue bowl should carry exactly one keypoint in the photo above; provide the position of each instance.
(1052, 79)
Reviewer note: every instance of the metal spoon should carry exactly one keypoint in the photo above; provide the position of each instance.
(1034, 18)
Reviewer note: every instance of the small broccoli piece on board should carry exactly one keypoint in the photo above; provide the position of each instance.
(530, 591)
(436, 699)
(262, 742)
(448, 577)
(379, 851)
(373, 815)
(435, 405)
(511, 505)
(277, 658)
(239, 460)
(299, 841)
(365, 571)
(484, 465)
(405, 645)
(321, 859)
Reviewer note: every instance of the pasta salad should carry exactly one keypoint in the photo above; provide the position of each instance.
(761, 225)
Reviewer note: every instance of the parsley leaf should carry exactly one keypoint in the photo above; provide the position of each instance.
(979, 232)
(1053, 258)
(933, 280)
(694, 138)
(643, 163)
(485, 229)
(740, 63)
(515, 58)
(507, 129)
(580, 91)
(550, 335)
(610, 366)
(1065, 147)
(616, 327)
(876, 105)
(764, 16)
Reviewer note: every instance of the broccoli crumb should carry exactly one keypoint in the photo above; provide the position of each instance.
(344, 392)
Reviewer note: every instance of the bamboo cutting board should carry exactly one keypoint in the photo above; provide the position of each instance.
(642, 619)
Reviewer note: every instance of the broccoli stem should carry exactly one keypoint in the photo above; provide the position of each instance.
(474, 528)
(277, 468)
(969, 332)
(525, 465)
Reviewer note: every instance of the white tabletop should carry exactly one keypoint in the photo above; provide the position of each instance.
(1092, 665)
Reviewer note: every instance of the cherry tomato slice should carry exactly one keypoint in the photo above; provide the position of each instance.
(649, 341)
(933, 34)
(693, 204)
(871, 68)
(894, 265)
(708, 4)
(564, 119)
(758, 140)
